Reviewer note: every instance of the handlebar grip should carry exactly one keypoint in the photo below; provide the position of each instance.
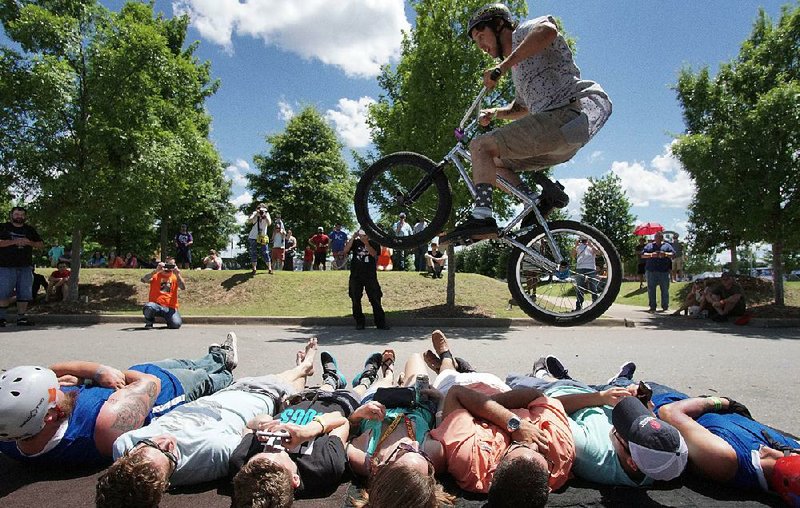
(495, 75)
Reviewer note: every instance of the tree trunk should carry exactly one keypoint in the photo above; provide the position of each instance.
(777, 271)
(734, 258)
(451, 277)
(164, 238)
(75, 265)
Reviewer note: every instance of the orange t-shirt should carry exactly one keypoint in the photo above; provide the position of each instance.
(473, 447)
(164, 290)
(384, 258)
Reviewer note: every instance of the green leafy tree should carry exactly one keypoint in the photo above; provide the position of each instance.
(304, 177)
(102, 121)
(742, 141)
(606, 207)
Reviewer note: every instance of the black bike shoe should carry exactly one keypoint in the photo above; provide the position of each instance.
(553, 196)
(472, 229)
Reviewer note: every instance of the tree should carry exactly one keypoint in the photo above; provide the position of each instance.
(606, 207)
(742, 141)
(97, 108)
(304, 177)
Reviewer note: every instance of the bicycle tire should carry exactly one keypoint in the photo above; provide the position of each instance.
(383, 192)
(556, 305)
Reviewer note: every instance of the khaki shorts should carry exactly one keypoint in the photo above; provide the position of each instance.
(677, 263)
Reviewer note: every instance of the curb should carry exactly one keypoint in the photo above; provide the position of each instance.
(92, 319)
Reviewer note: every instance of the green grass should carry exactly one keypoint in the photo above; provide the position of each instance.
(322, 294)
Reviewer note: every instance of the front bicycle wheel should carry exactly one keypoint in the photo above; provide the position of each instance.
(403, 182)
(567, 295)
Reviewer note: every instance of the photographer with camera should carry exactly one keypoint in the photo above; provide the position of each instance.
(364, 276)
(164, 282)
(258, 237)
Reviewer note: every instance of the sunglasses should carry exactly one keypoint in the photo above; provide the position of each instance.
(402, 449)
(173, 459)
(519, 444)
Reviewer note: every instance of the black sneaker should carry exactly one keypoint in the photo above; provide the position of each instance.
(472, 228)
(626, 371)
(359, 326)
(2, 323)
(555, 368)
(148, 326)
(330, 371)
(370, 372)
(463, 366)
(23, 321)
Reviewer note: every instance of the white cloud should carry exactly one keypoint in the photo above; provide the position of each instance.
(286, 110)
(575, 189)
(350, 121)
(665, 182)
(596, 156)
(242, 199)
(236, 171)
(357, 36)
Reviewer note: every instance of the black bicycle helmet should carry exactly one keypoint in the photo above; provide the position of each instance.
(487, 13)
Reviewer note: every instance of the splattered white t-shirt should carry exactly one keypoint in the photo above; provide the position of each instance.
(550, 78)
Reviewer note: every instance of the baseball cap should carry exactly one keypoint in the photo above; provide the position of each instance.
(657, 448)
(320, 228)
(785, 479)
(402, 214)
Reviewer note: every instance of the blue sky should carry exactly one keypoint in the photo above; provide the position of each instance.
(273, 57)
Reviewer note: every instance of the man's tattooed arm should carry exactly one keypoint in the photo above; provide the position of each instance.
(125, 410)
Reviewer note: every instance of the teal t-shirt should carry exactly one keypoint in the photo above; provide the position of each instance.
(595, 457)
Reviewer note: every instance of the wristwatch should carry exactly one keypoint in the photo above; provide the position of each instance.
(513, 424)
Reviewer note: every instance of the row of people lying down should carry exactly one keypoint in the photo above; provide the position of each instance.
(181, 422)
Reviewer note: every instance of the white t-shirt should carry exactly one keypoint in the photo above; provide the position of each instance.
(585, 257)
(207, 429)
(449, 378)
(278, 239)
(550, 78)
(260, 225)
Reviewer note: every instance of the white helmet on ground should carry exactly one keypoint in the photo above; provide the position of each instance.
(26, 394)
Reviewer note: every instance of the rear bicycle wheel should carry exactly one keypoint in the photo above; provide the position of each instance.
(564, 297)
(404, 182)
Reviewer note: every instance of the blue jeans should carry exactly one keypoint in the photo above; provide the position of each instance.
(200, 377)
(660, 279)
(586, 279)
(255, 248)
(19, 278)
(153, 310)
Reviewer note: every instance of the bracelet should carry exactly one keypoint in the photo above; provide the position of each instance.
(717, 403)
(319, 421)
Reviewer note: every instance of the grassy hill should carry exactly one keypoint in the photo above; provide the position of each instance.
(321, 294)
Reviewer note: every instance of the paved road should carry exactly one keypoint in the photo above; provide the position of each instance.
(755, 366)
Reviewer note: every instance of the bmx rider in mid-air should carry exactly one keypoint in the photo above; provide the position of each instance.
(555, 113)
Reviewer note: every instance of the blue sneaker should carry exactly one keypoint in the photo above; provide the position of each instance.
(330, 371)
(370, 372)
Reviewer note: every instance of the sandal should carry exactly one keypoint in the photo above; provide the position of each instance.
(387, 361)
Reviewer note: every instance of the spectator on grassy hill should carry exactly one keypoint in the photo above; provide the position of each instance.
(320, 243)
(17, 241)
(434, 260)
(338, 240)
(364, 277)
(57, 284)
(115, 261)
(258, 238)
(401, 228)
(308, 258)
(98, 260)
(54, 254)
(194, 443)
(131, 261)
(291, 250)
(640, 261)
(385, 259)
(39, 282)
(183, 245)
(677, 260)
(212, 261)
(725, 299)
(88, 405)
(657, 255)
(164, 282)
(278, 242)
(695, 301)
(585, 254)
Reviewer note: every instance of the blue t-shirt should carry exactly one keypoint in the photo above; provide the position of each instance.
(338, 240)
(77, 446)
(743, 434)
(658, 264)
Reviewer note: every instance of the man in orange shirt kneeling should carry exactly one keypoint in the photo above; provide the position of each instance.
(164, 282)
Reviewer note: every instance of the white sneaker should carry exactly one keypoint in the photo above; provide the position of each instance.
(231, 348)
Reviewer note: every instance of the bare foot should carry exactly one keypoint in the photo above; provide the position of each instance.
(306, 357)
(432, 361)
(439, 342)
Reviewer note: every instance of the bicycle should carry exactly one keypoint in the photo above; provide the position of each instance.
(540, 284)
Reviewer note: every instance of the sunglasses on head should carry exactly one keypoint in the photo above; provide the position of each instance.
(408, 448)
(173, 459)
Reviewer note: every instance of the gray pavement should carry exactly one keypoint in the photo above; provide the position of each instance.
(757, 366)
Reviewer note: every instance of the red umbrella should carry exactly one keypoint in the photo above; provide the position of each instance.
(648, 228)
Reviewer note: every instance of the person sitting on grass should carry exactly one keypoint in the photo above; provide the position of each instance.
(726, 299)
(194, 443)
(434, 259)
(57, 284)
(695, 301)
(87, 405)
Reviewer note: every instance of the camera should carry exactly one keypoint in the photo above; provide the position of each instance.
(169, 266)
